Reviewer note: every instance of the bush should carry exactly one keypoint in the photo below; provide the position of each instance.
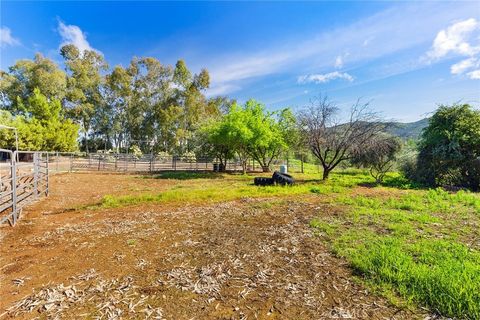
(449, 150)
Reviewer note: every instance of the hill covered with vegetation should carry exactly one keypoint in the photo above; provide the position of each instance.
(407, 130)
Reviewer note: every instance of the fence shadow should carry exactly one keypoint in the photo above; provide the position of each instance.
(185, 175)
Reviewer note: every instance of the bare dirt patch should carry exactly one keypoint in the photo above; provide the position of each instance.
(245, 259)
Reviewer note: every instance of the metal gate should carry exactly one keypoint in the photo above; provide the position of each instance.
(23, 179)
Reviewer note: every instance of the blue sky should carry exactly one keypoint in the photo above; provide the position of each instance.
(404, 57)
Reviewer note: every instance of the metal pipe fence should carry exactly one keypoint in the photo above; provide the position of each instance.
(144, 163)
(24, 175)
(121, 162)
(24, 178)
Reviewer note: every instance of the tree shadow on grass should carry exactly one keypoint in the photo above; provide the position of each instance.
(400, 182)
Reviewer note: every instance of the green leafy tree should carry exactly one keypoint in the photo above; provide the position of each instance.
(213, 139)
(238, 134)
(45, 128)
(449, 150)
(146, 103)
(151, 94)
(18, 84)
(118, 99)
(189, 96)
(250, 131)
(268, 133)
(84, 83)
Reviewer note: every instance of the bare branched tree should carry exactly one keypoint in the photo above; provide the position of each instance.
(378, 155)
(332, 140)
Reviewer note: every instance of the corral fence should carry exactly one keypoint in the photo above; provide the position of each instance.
(24, 175)
(131, 163)
(121, 162)
(23, 179)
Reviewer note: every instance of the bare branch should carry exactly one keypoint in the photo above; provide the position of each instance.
(332, 141)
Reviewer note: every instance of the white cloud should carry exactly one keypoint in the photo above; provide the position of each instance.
(6, 38)
(455, 39)
(459, 39)
(464, 65)
(475, 74)
(74, 35)
(324, 78)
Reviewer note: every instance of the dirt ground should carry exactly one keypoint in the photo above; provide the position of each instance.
(244, 259)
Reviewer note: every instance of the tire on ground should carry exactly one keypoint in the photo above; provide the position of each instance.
(282, 178)
(262, 181)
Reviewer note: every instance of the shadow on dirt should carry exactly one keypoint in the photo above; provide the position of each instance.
(185, 175)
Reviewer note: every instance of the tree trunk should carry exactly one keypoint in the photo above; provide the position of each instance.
(326, 172)
(265, 168)
(86, 142)
(244, 166)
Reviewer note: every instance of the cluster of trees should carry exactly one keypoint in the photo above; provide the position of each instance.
(249, 132)
(448, 153)
(156, 107)
(41, 125)
(252, 132)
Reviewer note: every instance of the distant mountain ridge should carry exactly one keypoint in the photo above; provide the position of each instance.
(407, 130)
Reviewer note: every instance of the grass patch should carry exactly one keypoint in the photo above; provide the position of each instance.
(230, 187)
(211, 194)
(417, 245)
(131, 242)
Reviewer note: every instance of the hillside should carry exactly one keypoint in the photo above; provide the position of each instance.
(409, 130)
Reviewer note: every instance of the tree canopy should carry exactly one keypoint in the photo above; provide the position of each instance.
(250, 131)
(449, 150)
(41, 126)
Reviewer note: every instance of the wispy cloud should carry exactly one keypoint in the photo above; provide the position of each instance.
(474, 74)
(367, 39)
(339, 62)
(324, 78)
(6, 38)
(72, 34)
(220, 90)
(464, 65)
(460, 39)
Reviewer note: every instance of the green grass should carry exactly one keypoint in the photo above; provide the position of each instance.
(196, 194)
(417, 245)
(200, 187)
